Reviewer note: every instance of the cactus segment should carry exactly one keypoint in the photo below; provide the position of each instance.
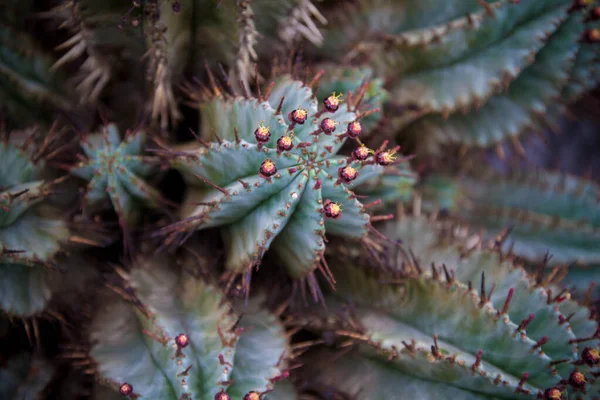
(137, 345)
(546, 212)
(266, 196)
(510, 114)
(509, 339)
(115, 170)
(30, 233)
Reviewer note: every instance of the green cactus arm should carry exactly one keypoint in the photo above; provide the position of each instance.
(24, 377)
(354, 221)
(24, 290)
(16, 167)
(248, 239)
(255, 364)
(432, 243)
(527, 96)
(366, 378)
(223, 164)
(546, 212)
(395, 184)
(29, 73)
(138, 348)
(301, 241)
(475, 77)
(18, 199)
(283, 390)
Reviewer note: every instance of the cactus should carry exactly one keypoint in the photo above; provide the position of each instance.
(191, 345)
(115, 169)
(473, 73)
(273, 179)
(28, 88)
(539, 212)
(30, 232)
(24, 377)
(434, 333)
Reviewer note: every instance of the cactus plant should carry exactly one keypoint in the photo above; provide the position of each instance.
(191, 345)
(425, 326)
(30, 232)
(115, 169)
(273, 180)
(473, 73)
(542, 212)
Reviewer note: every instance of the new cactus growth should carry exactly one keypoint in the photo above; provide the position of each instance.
(272, 178)
(453, 319)
(190, 345)
(30, 232)
(115, 168)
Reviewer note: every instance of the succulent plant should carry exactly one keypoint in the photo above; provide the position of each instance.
(424, 326)
(24, 377)
(272, 178)
(474, 73)
(29, 90)
(187, 345)
(115, 169)
(30, 232)
(540, 212)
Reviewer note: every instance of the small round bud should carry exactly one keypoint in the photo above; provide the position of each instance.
(361, 153)
(552, 394)
(590, 356)
(354, 129)
(182, 340)
(126, 389)
(284, 143)
(577, 379)
(176, 6)
(385, 158)
(252, 396)
(262, 134)
(332, 103)
(592, 35)
(328, 126)
(222, 396)
(347, 174)
(332, 210)
(267, 168)
(298, 116)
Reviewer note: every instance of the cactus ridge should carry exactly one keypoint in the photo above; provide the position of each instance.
(537, 212)
(268, 196)
(30, 232)
(511, 338)
(191, 345)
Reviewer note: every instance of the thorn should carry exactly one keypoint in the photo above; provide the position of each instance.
(269, 90)
(482, 296)
(477, 362)
(511, 291)
(280, 106)
(220, 189)
(237, 137)
(315, 79)
(540, 343)
(523, 325)
(522, 382)
(376, 218)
